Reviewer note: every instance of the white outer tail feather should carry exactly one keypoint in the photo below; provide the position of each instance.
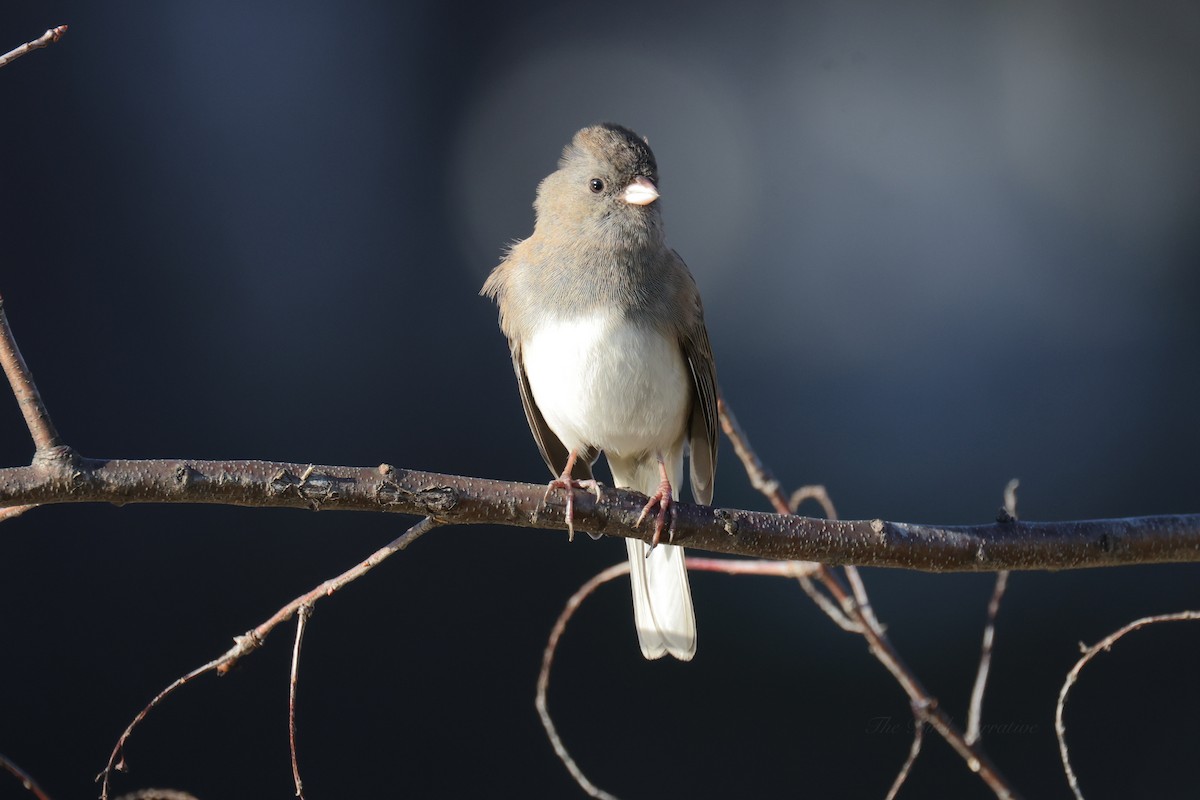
(662, 601)
(662, 598)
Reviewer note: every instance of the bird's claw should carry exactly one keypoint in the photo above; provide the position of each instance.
(663, 499)
(569, 484)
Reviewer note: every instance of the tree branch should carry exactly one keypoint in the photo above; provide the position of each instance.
(1104, 645)
(63, 477)
(49, 37)
(254, 638)
(45, 437)
(27, 782)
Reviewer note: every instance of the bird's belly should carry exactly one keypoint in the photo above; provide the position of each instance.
(604, 382)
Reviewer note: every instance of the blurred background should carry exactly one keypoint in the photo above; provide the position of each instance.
(940, 246)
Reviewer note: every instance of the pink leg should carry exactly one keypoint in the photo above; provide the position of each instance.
(661, 498)
(565, 481)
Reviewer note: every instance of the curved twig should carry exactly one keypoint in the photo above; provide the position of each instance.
(24, 777)
(543, 681)
(725, 566)
(1060, 728)
(116, 760)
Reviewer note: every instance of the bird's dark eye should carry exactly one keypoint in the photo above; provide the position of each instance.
(596, 185)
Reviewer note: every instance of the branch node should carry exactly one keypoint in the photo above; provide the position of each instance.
(727, 521)
(247, 643)
(55, 458)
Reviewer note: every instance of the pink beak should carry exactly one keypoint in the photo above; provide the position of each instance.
(641, 192)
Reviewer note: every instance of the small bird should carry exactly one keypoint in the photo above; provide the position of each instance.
(608, 342)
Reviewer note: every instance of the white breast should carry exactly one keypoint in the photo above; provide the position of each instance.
(601, 381)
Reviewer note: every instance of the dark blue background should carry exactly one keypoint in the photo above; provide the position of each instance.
(940, 246)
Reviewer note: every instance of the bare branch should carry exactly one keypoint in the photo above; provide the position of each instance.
(1060, 728)
(543, 682)
(49, 37)
(914, 750)
(58, 475)
(975, 711)
(254, 638)
(302, 615)
(831, 609)
(729, 566)
(45, 437)
(816, 493)
(452, 499)
(12, 512)
(1010, 497)
(726, 566)
(856, 611)
(116, 760)
(28, 782)
(758, 472)
(821, 496)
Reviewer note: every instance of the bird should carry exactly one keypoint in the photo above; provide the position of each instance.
(606, 330)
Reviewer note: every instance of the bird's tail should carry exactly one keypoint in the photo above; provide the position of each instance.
(662, 599)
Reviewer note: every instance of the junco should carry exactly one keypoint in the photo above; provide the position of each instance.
(611, 355)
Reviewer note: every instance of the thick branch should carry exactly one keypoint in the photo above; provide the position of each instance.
(66, 478)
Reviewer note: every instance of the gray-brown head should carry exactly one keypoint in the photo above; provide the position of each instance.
(606, 183)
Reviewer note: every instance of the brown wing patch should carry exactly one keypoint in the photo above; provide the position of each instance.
(702, 427)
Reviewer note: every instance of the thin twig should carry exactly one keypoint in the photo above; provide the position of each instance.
(729, 566)
(543, 681)
(856, 605)
(1060, 728)
(13, 512)
(45, 437)
(818, 494)
(1010, 497)
(814, 492)
(783, 569)
(975, 711)
(760, 475)
(50, 36)
(831, 609)
(302, 615)
(764, 480)
(253, 639)
(116, 760)
(914, 750)
(24, 777)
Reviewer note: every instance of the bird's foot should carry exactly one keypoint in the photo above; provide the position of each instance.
(666, 505)
(569, 484)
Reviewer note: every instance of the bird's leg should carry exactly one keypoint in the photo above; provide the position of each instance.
(565, 481)
(662, 499)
